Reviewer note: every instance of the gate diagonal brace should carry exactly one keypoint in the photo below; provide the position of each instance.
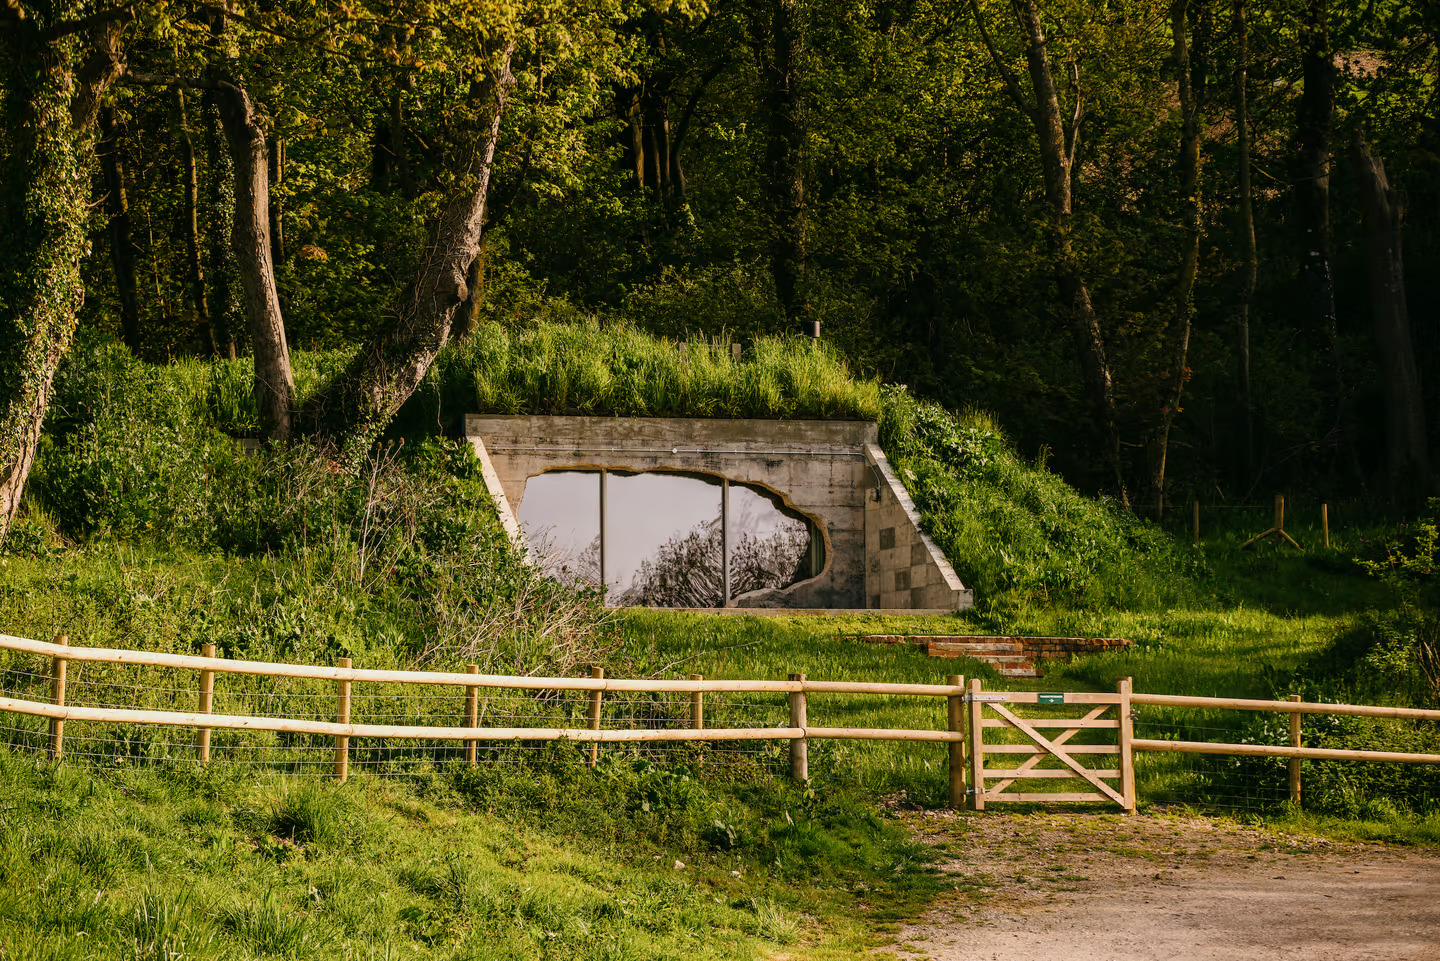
(1059, 753)
(1059, 739)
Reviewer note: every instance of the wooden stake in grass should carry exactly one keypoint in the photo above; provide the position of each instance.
(1195, 523)
(1127, 738)
(697, 705)
(1295, 741)
(598, 673)
(1325, 524)
(342, 716)
(1278, 531)
(472, 713)
(955, 717)
(207, 694)
(799, 747)
(57, 697)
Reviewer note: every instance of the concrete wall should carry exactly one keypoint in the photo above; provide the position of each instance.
(904, 569)
(821, 468)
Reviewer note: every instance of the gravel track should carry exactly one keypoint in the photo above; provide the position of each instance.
(1092, 887)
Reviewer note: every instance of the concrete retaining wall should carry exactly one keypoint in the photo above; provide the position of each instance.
(827, 470)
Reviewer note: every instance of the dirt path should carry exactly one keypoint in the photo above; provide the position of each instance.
(1086, 887)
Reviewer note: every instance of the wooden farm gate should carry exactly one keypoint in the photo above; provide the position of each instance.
(1026, 747)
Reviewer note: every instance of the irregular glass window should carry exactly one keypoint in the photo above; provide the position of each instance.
(662, 540)
(771, 546)
(560, 514)
(663, 537)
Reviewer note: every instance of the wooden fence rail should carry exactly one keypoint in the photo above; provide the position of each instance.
(964, 731)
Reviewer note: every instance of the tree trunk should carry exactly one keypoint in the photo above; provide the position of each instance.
(464, 321)
(224, 307)
(1249, 262)
(48, 105)
(277, 208)
(1057, 142)
(122, 239)
(191, 224)
(1315, 117)
(355, 407)
(399, 158)
(784, 156)
(274, 383)
(1179, 337)
(1404, 404)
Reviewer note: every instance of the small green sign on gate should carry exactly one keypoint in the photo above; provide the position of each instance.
(1044, 698)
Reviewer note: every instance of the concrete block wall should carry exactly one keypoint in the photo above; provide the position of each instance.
(904, 568)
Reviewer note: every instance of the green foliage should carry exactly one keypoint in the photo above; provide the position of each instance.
(401, 557)
(1016, 533)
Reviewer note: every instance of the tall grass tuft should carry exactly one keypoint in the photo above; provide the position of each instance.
(619, 370)
(270, 929)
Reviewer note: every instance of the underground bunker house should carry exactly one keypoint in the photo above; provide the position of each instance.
(693, 513)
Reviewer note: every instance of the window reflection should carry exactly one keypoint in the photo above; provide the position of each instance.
(664, 537)
(560, 515)
(662, 540)
(769, 547)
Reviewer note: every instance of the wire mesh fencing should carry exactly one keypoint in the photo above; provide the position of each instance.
(144, 687)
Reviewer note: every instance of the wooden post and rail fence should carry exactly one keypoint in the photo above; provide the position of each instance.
(1029, 734)
(1276, 531)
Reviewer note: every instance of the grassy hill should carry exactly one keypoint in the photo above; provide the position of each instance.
(149, 525)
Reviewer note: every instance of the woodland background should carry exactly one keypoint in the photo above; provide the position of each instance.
(1180, 249)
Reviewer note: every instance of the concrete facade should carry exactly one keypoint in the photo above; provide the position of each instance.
(826, 470)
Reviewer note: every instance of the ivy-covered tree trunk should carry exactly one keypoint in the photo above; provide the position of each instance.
(354, 408)
(218, 216)
(51, 93)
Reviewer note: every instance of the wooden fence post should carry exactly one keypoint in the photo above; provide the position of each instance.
(977, 748)
(1279, 512)
(1195, 524)
(1295, 741)
(799, 747)
(598, 673)
(342, 715)
(955, 718)
(57, 696)
(207, 694)
(697, 705)
(472, 713)
(1127, 747)
(1325, 524)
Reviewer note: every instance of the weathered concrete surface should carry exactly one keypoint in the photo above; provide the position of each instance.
(819, 468)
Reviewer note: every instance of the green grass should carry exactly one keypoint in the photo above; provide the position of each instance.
(184, 863)
(1256, 624)
(551, 368)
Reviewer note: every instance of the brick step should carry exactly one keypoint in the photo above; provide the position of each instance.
(1018, 672)
(982, 647)
(994, 657)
